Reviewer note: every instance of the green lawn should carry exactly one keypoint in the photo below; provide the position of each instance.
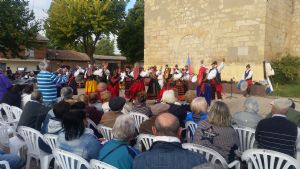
(287, 90)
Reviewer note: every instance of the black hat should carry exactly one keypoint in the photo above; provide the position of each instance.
(116, 103)
(214, 63)
(248, 66)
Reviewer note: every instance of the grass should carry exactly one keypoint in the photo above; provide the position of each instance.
(287, 90)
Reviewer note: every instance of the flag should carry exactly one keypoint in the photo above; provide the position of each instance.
(188, 63)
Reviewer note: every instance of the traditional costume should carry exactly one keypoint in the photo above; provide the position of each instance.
(204, 88)
(128, 79)
(168, 83)
(154, 87)
(214, 77)
(179, 84)
(248, 77)
(91, 83)
(137, 84)
(113, 85)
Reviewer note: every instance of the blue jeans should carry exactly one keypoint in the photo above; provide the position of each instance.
(14, 160)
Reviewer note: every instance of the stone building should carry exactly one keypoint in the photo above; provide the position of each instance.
(241, 31)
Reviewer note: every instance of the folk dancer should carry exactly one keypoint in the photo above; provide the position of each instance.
(248, 77)
(113, 85)
(91, 83)
(179, 84)
(168, 82)
(128, 80)
(138, 82)
(204, 88)
(214, 77)
(154, 87)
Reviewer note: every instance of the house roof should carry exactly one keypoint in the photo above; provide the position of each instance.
(67, 55)
(104, 57)
(40, 37)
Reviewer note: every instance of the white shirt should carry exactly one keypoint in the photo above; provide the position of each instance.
(168, 139)
(213, 73)
(250, 74)
(25, 99)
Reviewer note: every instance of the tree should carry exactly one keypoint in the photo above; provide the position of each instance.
(78, 22)
(131, 36)
(17, 27)
(105, 47)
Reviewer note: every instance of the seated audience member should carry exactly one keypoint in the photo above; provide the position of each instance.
(189, 96)
(166, 151)
(293, 115)
(14, 161)
(199, 110)
(105, 97)
(93, 102)
(101, 87)
(76, 138)
(177, 110)
(117, 152)
(277, 133)
(5, 83)
(216, 132)
(34, 112)
(140, 104)
(116, 105)
(249, 117)
(13, 96)
(26, 95)
(157, 109)
(66, 94)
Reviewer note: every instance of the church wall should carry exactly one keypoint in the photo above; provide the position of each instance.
(295, 30)
(208, 30)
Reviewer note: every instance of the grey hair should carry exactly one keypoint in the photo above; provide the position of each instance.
(124, 128)
(251, 105)
(66, 93)
(36, 96)
(43, 65)
(169, 97)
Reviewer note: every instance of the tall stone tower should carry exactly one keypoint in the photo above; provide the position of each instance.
(241, 31)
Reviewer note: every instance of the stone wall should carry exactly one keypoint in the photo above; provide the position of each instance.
(241, 31)
(295, 32)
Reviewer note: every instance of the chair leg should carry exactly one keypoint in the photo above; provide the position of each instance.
(45, 162)
(28, 162)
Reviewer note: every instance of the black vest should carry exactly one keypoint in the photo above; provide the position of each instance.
(218, 76)
(247, 73)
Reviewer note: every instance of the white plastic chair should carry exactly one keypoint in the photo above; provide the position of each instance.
(139, 118)
(4, 137)
(95, 164)
(31, 137)
(4, 164)
(146, 140)
(91, 123)
(261, 158)
(211, 155)
(105, 131)
(51, 139)
(10, 117)
(190, 130)
(67, 160)
(1, 117)
(16, 112)
(246, 136)
(7, 111)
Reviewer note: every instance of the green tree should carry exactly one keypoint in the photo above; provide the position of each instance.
(131, 36)
(17, 27)
(83, 22)
(105, 47)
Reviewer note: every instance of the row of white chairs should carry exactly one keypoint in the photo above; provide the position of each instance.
(12, 113)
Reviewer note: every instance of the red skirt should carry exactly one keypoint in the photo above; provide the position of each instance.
(137, 86)
(249, 83)
(113, 89)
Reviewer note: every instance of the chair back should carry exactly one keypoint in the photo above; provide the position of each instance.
(1, 116)
(31, 138)
(4, 137)
(210, 155)
(51, 139)
(261, 158)
(4, 164)
(7, 111)
(91, 123)
(16, 112)
(246, 137)
(95, 164)
(67, 160)
(146, 140)
(105, 131)
(190, 130)
(139, 118)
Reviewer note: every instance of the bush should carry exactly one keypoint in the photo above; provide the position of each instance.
(286, 69)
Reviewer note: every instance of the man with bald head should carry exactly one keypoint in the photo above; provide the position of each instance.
(166, 151)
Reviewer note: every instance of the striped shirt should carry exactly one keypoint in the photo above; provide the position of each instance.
(46, 82)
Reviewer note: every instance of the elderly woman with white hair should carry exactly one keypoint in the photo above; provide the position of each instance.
(117, 152)
(66, 94)
(248, 117)
(47, 82)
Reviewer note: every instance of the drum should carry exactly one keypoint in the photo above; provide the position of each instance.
(177, 76)
(194, 79)
(242, 85)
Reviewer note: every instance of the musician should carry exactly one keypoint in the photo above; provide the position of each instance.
(91, 83)
(138, 82)
(214, 78)
(248, 77)
(203, 89)
(113, 85)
